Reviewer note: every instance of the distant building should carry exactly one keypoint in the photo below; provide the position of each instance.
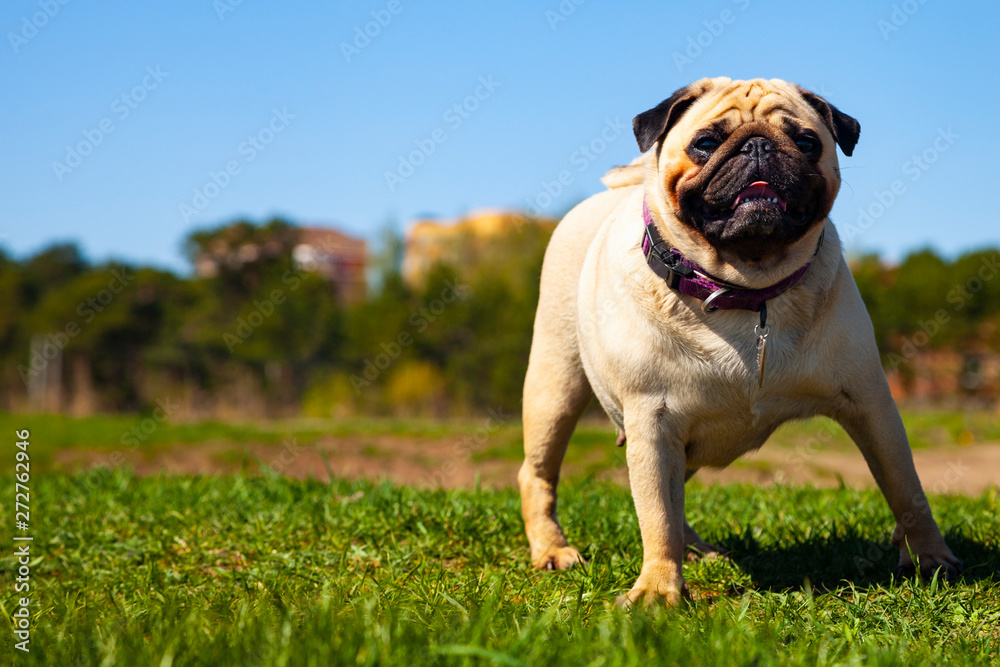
(341, 259)
(431, 242)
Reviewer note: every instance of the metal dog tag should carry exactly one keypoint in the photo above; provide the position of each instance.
(762, 333)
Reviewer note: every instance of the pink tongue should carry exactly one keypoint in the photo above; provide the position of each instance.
(758, 189)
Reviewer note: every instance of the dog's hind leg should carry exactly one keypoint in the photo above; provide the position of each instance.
(556, 391)
(870, 417)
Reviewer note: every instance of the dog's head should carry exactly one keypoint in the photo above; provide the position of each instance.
(746, 170)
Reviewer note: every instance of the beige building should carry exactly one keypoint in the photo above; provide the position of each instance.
(456, 242)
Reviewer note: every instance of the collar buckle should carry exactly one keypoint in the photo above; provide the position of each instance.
(677, 271)
(667, 265)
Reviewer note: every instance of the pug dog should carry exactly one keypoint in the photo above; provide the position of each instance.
(704, 299)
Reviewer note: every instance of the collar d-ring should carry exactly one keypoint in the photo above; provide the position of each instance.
(706, 305)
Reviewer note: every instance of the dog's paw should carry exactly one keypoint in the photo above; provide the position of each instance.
(704, 551)
(658, 583)
(559, 558)
(943, 562)
(648, 597)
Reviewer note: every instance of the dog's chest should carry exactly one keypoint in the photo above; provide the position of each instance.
(721, 407)
(706, 380)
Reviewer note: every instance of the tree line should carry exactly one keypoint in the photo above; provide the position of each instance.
(265, 337)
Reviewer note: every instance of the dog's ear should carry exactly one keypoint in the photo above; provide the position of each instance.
(650, 126)
(845, 130)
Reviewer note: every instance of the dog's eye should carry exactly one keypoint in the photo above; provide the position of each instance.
(707, 144)
(806, 144)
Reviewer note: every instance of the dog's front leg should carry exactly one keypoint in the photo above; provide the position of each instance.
(656, 475)
(873, 422)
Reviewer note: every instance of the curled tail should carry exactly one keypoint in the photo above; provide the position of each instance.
(633, 173)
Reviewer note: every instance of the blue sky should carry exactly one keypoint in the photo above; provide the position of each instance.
(219, 110)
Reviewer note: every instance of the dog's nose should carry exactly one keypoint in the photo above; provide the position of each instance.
(756, 147)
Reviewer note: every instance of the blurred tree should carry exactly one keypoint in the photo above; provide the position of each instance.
(103, 320)
(12, 297)
(252, 319)
(921, 285)
(388, 259)
(239, 257)
(256, 308)
(974, 296)
(872, 280)
(50, 268)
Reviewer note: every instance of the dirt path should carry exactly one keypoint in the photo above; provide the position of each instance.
(429, 462)
(946, 469)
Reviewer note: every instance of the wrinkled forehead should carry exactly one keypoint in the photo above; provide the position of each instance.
(740, 102)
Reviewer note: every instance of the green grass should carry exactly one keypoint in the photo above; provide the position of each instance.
(271, 571)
